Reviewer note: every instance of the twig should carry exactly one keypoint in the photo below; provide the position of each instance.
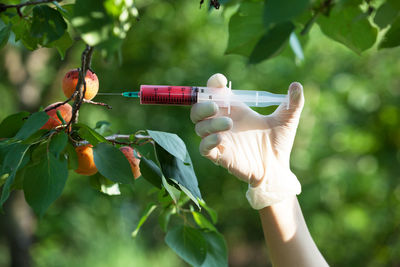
(60, 104)
(97, 103)
(113, 139)
(323, 8)
(4, 7)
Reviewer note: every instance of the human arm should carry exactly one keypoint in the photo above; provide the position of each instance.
(288, 240)
(256, 149)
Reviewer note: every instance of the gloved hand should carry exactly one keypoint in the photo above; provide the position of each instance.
(253, 147)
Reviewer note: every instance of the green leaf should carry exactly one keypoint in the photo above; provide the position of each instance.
(172, 191)
(37, 136)
(189, 243)
(170, 142)
(146, 213)
(45, 182)
(65, 10)
(217, 255)
(4, 35)
(112, 163)
(102, 127)
(245, 28)
(11, 163)
(392, 36)
(202, 222)
(89, 134)
(150, 171)
(62, 44)
(92, 21)
(387, 13)
(21, 29)
(187, 192)
(277, 11)
(272, 43)
(72, 157)
(3, 178)
(104, 185)
(11, 124)
(58, 143)
(213, 214)
(47, 24)
(32, 124)
(183, 174)
(165, 215)
(295, 45)
(19, 176)
(350, 27)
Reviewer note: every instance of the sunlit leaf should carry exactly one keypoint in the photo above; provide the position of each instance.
(89, 134)
(350, 27)
(392, 36)
(170, 142)
(146, 213)
(202, 221)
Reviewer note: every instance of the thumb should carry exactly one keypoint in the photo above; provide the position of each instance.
(217, 80)
(296, 97)
(296, 103)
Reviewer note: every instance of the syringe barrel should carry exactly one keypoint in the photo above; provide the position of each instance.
(225, 97)
(168, 95)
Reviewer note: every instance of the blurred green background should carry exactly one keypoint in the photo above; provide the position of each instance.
(346, 153)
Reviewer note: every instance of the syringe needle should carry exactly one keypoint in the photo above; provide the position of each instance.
(109, 93)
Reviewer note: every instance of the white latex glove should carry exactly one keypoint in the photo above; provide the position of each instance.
(253, 147)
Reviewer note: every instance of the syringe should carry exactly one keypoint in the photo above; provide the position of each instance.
(189, 95)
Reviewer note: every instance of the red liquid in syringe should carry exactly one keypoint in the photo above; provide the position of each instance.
(168, 95)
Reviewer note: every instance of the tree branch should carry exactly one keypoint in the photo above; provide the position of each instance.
(115, 137)
(97, 103)
(86, 59)
(4, 7)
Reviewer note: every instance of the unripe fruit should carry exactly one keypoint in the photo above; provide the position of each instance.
(71, 80)
(54, 121)
(86, 164)
(133, 161)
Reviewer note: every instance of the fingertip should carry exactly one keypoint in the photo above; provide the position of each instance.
(296, 93)
(208, 143)
(200, 111)
(217, 80)
(295, 89)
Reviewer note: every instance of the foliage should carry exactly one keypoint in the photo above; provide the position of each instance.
(262, 29)
(258, 30)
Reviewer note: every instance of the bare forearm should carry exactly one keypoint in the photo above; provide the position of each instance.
(288, 240)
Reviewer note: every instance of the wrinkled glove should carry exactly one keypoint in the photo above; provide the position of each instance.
(253, 147)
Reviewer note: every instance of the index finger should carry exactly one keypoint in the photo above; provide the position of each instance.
(203, 110)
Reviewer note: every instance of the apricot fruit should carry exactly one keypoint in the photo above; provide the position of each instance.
(71, 80)
(54, 121)
(86, 164)
(133, 161)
